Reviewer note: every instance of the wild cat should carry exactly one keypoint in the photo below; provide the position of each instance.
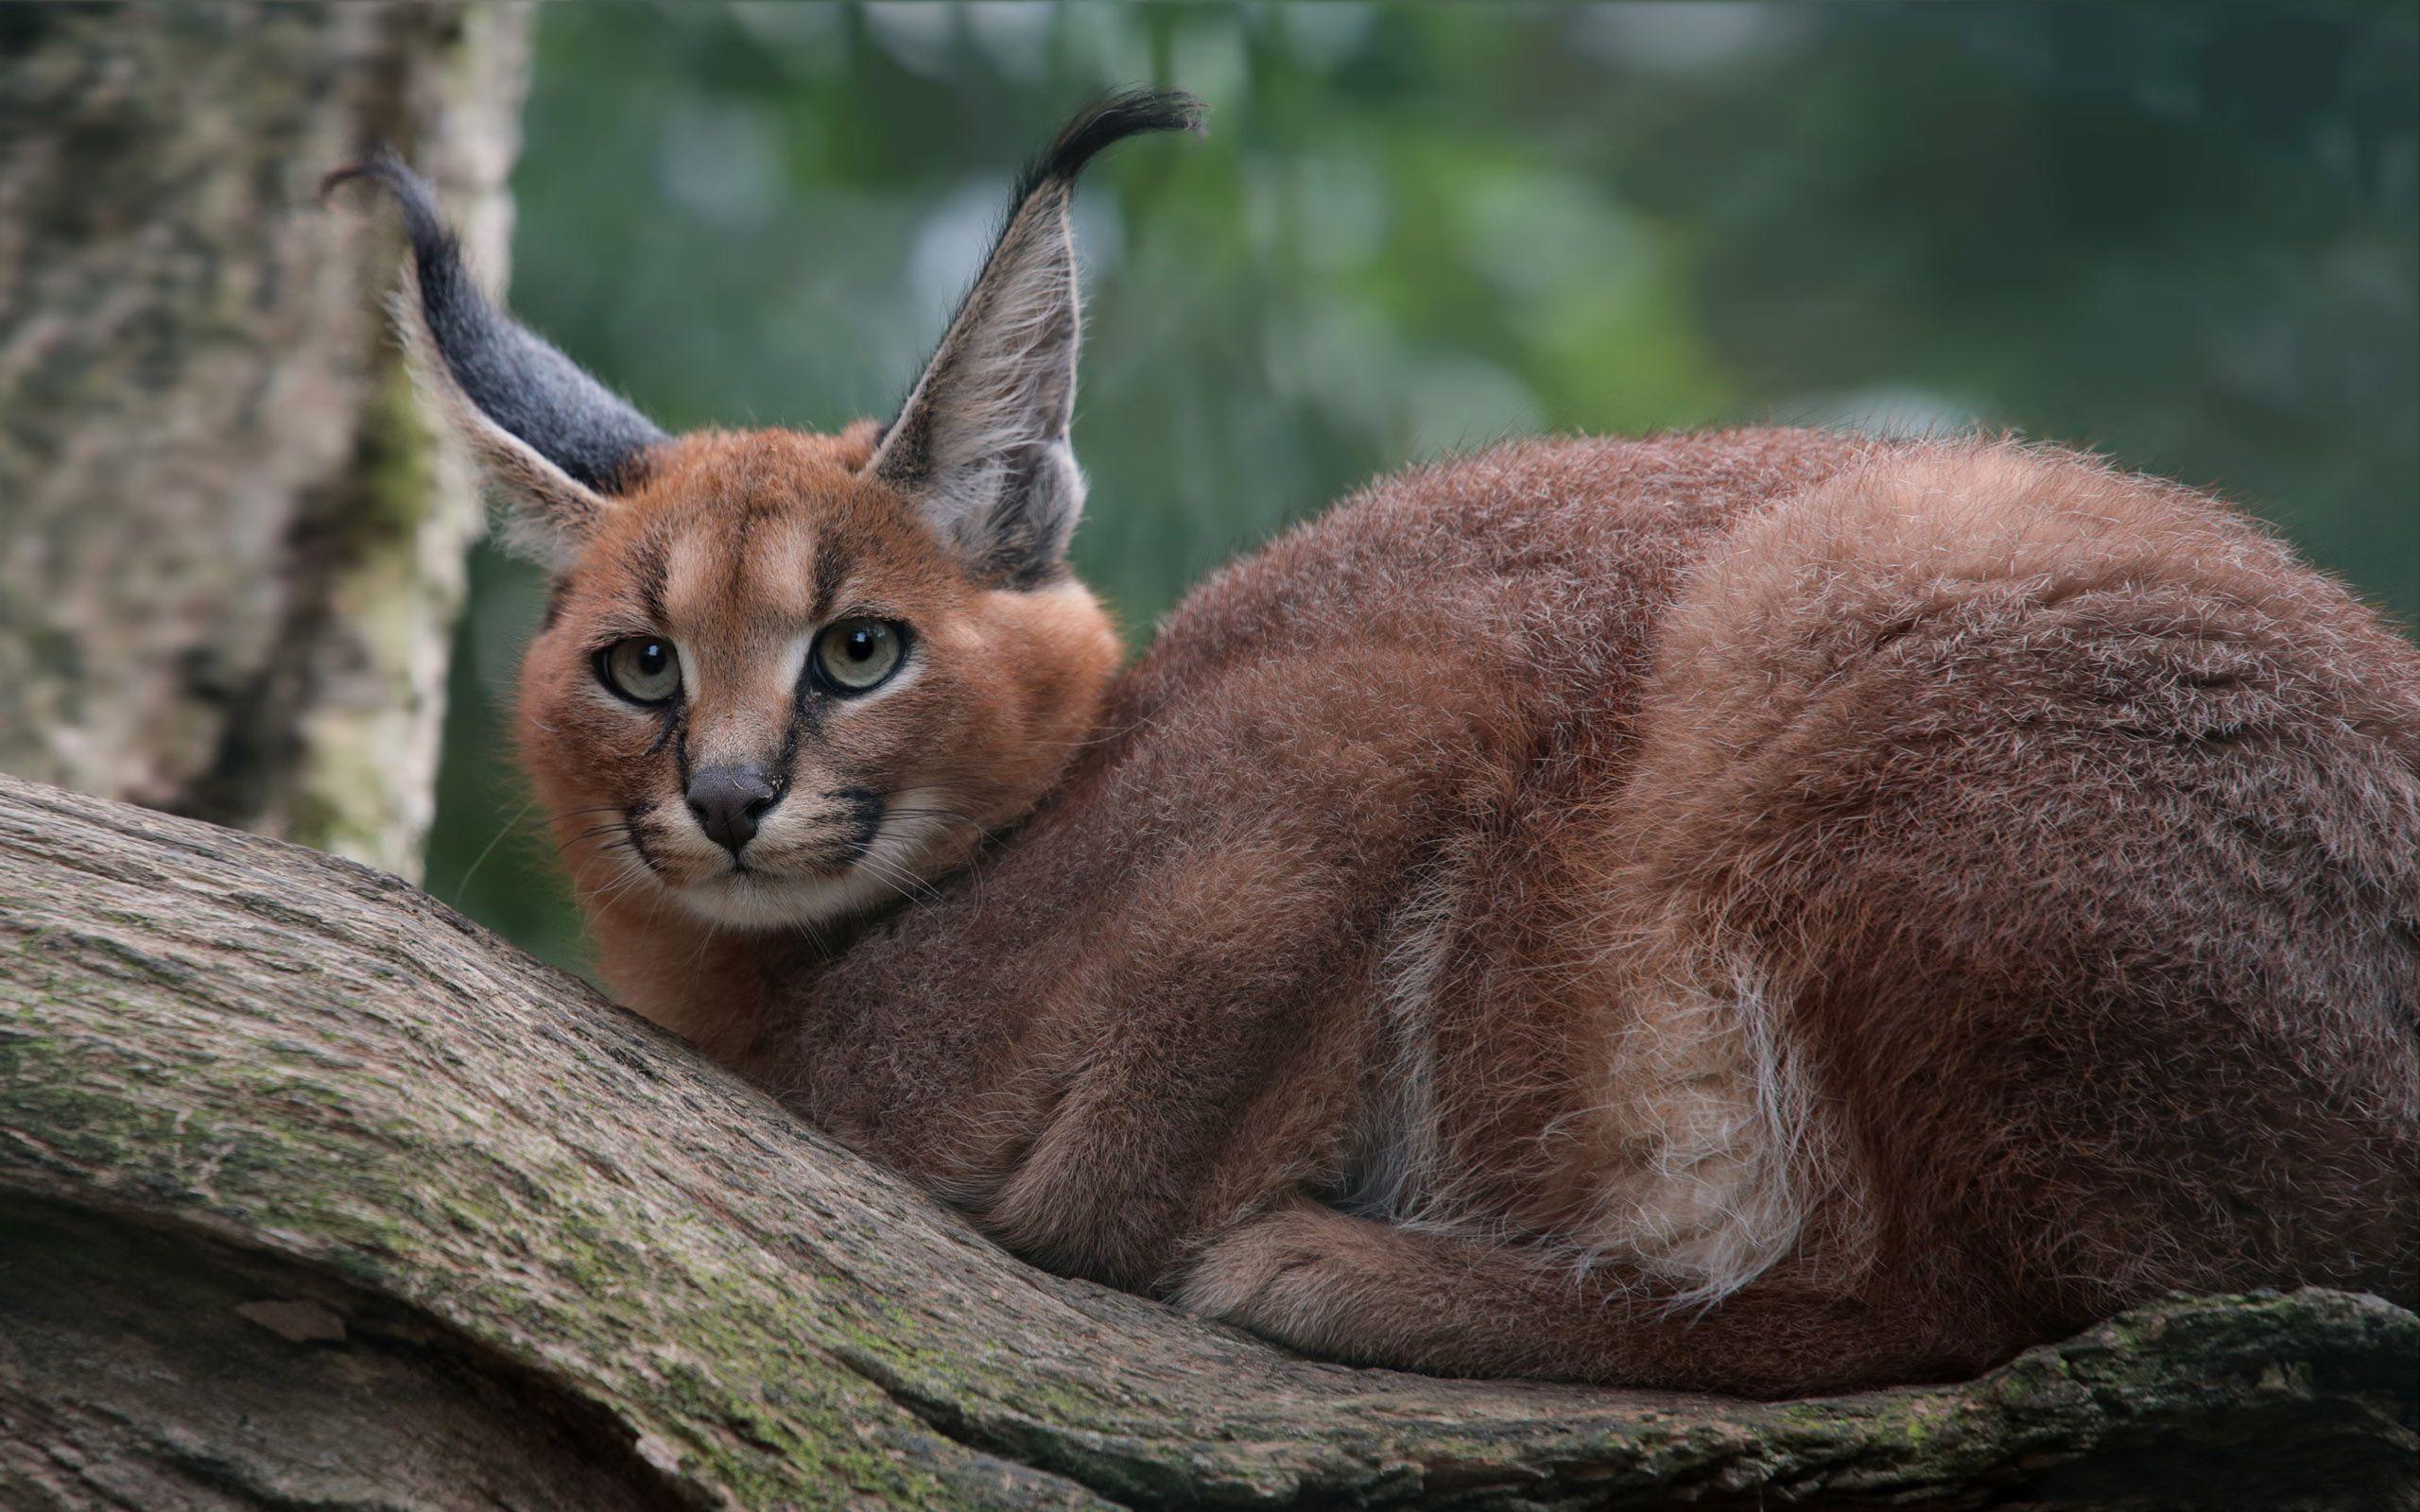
(1764, 911)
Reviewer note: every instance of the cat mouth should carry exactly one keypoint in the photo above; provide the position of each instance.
(806, 882)
(827, 858)
(744, 871)
(874, 858)
(755, 898)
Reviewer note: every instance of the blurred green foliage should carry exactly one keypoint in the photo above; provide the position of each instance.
(2181, 235)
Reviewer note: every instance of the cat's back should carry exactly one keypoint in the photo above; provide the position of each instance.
(1540, 567)
(1550, 562)
(1570, 568)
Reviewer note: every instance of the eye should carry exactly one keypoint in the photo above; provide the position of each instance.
(852, 656)
(644, 669)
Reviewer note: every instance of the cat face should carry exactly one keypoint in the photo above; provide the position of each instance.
(786, 678)
(768, 687)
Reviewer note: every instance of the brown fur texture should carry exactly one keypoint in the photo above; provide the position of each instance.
(1763, 911)
(737, 547)
(1759, 911)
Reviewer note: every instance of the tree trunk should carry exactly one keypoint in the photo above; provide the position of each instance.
(231, 550)
(313, 1194)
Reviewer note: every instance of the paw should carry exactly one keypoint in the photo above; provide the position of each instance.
(1285, 1276)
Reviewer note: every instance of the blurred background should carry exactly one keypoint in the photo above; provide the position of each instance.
(2181, 235)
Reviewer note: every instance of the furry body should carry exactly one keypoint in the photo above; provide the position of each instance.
(1762, 911)
(1758, 911)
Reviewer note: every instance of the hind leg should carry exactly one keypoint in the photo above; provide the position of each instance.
(2073, 834)
(2079, 830)
(1371, 1293)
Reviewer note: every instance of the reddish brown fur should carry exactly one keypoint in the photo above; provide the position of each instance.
(1010, 682)
(2004, 870)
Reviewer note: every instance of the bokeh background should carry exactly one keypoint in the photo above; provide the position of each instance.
(2184, 234)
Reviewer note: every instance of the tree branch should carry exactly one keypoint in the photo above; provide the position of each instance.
(314, 1193)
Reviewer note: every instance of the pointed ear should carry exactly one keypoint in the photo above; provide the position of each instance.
(982, 444)
(555, 442)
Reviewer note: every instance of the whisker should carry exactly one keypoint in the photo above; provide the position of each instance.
(898, 878)
(714, 927)
(967, 819)
(635, 869)
(573, 813)
(506, 828)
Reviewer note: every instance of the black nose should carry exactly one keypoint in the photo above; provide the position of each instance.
(728, 800)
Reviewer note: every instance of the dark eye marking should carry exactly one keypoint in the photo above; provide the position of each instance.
(831, 571)
(634, 824)
(864, 815)
(663, 737)
(650, 570)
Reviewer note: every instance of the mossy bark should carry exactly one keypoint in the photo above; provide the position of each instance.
(231, 546)
(313, 1194)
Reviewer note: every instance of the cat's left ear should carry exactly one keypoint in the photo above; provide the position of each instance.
(555, 442)
(982, 444)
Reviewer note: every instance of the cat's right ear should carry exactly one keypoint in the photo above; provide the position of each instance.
(553, 440)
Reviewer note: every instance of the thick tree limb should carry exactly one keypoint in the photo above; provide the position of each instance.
(314, 1193)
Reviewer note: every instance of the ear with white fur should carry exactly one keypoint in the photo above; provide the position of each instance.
(553, 440)
(981, 444)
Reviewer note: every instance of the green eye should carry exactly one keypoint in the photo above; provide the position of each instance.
(644, 669)
(853, 655)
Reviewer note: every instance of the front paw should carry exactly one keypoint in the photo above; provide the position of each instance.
(1286, 1275)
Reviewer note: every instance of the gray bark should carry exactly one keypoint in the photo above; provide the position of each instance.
(313, 1194)
(231, 546)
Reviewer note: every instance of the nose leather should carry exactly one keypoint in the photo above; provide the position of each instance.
(728, 801)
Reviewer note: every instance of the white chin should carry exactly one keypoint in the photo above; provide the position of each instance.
(755, 901)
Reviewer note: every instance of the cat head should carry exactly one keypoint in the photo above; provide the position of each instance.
(783, 677)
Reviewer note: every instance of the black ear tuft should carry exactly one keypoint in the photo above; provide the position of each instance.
(429, 235)
(1110, 120)
(512, 377)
